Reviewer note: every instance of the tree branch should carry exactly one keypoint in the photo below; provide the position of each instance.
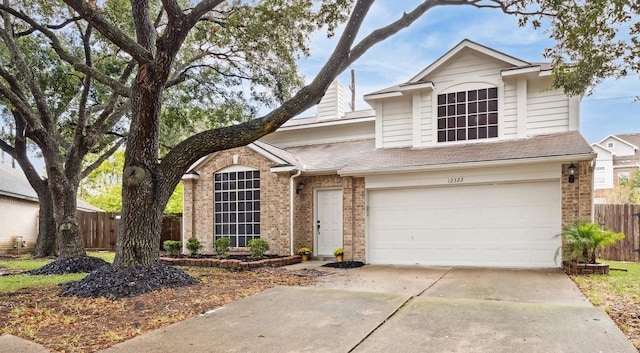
(102, 158)
(107, 29)
(69, 58)
(176, 162)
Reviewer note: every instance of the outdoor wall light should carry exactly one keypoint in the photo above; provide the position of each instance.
(299, 187)
(572, 172)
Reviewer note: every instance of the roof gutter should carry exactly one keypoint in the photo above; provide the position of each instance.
(292, 189)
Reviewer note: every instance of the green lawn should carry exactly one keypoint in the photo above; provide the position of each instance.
(597, 287)
(14, 282)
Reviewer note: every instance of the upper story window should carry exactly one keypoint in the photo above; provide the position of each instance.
(237, 206)
(610, 145)
(468, 115)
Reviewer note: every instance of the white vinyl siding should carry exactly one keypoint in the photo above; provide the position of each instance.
(509, 119)
(620, 149)
(18, 218)
(397, 123)
(547, 110)
(426, 126)
(468, 66)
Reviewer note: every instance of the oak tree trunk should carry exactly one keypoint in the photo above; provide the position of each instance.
(46, 243)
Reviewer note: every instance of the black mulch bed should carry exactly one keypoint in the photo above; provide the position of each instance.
(344, 264)
(110, 283)
(59, 267)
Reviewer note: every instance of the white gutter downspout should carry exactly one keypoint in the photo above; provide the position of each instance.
(292, 189)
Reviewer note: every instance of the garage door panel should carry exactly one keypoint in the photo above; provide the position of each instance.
(482, 225)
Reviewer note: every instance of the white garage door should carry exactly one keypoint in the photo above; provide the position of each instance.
(504, 225)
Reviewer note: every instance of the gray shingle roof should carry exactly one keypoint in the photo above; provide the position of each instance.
(362, 156)
(14, 183)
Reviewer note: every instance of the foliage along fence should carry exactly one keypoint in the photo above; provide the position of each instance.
(100, 229)
(624, 219)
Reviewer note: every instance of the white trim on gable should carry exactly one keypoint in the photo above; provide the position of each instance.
(466, 43)
(266, 154)
(602, 149)
(619, 139)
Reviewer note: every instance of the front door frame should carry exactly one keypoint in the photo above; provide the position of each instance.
(316, 211)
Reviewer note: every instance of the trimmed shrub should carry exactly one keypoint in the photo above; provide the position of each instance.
(172, 246)
(194, 246)
(258, 247)
(222, 247)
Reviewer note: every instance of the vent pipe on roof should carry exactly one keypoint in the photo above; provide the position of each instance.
(352, 88)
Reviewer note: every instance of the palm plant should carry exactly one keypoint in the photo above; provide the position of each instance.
(582, 239)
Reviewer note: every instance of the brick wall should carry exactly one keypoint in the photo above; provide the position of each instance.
(353, 212)
(274, 200)
(577, 197)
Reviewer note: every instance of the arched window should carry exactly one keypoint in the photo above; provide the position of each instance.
(237, 204)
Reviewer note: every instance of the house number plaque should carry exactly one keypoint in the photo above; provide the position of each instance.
(455, 180)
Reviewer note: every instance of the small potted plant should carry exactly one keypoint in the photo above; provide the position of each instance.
(339, 254)
(304, 252)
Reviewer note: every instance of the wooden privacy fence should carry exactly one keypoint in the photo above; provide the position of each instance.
(623, 219)
(100, 229)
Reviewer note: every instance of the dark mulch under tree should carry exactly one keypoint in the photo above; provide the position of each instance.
(109, 282)
(344, 264)
(59, 266)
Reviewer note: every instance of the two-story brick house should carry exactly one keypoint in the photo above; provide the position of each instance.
(618, 156)
(467, 163)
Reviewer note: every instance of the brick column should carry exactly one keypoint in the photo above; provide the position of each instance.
(577, 197)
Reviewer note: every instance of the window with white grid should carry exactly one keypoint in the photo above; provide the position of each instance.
(237, 206)
(468, 115)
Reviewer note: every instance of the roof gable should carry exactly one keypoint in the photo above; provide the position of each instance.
(467, 44)
(275, 154)
(619, 139)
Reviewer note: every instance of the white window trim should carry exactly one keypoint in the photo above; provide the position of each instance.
(459, 86)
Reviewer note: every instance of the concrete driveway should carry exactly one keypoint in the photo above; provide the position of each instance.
(402, 309)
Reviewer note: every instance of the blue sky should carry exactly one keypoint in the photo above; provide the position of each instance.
(610, 110)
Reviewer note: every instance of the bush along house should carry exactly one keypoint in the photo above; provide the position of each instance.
(472, 162)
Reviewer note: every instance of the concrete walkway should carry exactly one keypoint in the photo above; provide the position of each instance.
(401, 309)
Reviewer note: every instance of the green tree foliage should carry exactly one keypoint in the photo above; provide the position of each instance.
(627, 191)
(594, 40)
(103, 187)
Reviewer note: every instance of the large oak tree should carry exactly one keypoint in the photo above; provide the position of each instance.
(155, 42)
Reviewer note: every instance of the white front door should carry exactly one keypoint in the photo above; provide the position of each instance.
(328, 222)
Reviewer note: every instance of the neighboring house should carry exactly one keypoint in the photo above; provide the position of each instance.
(19, 210)
(618, 155)
(465, 164)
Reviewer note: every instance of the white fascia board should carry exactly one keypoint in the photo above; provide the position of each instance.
(406, 88)
(190, 176)
(336, 122)
(545, 73)
(520, 71)
(483, 164)
(283, 169)
(375, 96)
